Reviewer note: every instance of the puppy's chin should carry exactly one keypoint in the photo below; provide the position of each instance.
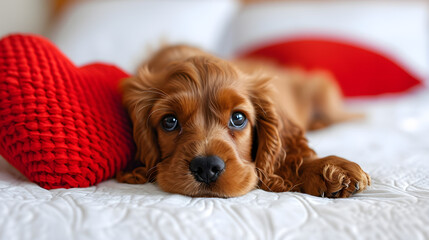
(229, 184)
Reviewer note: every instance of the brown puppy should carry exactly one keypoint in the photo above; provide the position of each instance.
(208, 127)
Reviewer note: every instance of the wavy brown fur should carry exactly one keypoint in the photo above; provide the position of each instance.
(202, 91)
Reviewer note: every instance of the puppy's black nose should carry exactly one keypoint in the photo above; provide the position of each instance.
(207, 169)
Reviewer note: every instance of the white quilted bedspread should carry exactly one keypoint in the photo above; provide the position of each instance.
(391, 144)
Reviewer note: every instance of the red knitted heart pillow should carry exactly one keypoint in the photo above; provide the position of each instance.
(60, 125)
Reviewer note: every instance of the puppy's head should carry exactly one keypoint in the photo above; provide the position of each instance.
(202, 128)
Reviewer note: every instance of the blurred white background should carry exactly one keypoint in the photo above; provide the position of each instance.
(24, 16)
(124, 32)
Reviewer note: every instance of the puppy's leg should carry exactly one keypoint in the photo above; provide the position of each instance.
(137, 175)
(327, 101)
(332, 177)
(327, 177)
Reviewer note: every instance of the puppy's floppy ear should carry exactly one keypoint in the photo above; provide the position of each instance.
(138, 98)
(267, 143)
(280, 145)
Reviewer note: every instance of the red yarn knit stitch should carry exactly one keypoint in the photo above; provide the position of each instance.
(60, 125)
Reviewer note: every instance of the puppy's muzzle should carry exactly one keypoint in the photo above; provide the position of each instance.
(207, 168)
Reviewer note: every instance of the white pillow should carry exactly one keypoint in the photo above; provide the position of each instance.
(123, 32)
(397, 29)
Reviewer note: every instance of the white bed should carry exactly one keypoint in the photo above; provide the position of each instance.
(390, 144)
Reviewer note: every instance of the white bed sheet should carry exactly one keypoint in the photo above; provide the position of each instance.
(391, 144)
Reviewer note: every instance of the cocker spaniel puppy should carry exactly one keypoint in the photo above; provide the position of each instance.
(206, 127)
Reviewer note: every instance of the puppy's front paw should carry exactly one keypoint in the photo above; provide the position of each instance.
(334, 177)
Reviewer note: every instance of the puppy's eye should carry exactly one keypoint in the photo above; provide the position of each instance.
(238, 120)
(169, 123)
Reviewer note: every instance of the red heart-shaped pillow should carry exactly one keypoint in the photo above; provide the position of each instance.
(359, 70)
(60, 125)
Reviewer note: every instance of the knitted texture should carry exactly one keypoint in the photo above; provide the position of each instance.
(61, 126)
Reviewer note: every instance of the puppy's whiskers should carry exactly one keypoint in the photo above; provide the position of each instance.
(294, 186)
(154, 169)
(151, 172)
(265, 176)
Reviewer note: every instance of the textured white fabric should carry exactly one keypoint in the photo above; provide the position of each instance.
(391, 144)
